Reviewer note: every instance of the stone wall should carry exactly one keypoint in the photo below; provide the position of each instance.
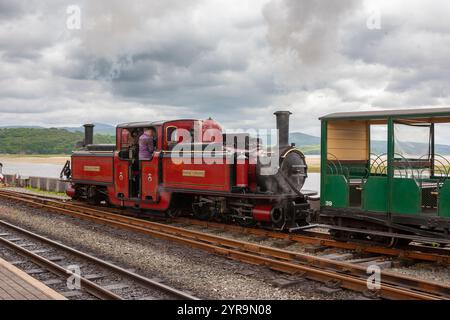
(42, 183)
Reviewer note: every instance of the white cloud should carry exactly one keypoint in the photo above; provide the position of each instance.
(235, 61)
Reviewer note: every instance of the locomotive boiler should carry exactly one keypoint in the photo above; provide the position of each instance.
(196, 169)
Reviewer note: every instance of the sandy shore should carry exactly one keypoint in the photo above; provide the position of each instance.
(312, 161)
(59, 160)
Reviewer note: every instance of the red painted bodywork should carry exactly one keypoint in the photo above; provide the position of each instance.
(242, 172)
(91, 168)
(70, 191)
(252, 182)
(195, 176)
(121, 171)
(113, 171)
(261, 212)
(150, 179)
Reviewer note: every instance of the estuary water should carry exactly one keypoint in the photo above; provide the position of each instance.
(53, 170)
(32, 169)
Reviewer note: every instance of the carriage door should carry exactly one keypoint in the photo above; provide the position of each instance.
(375, 191)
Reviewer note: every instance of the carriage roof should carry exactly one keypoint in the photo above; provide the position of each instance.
(383, 114)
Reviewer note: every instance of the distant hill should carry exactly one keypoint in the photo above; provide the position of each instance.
(100, 128)
(380, 147)
(303, 139)
(39, 140)
(311, 145)
(43, 140)
(11, 127)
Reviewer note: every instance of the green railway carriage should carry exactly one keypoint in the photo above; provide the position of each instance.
(383, 174)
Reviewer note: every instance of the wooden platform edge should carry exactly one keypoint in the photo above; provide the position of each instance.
(52, 294)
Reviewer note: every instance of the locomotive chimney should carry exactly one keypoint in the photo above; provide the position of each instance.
(88, 134)
(283, 128)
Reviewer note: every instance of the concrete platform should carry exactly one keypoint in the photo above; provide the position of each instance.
(17, 285)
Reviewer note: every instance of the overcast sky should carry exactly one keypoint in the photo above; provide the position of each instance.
(236, 61)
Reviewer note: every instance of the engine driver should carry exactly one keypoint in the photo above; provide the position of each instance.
(146, 144)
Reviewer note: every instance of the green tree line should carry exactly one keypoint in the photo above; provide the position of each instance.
(43, 140)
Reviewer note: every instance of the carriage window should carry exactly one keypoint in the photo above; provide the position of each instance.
(441, 148)
(412, 141)
(412, 150)
(378, 149)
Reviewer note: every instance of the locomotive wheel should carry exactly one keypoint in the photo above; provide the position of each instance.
(339, 235)
(389, 242)
(278, 218)
(173, 212)
(246, 223)
(202, 213)
(400, 242)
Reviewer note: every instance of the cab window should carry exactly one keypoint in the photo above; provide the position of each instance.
(129, 143)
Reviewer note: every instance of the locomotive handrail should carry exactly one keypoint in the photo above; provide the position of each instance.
(66, 171)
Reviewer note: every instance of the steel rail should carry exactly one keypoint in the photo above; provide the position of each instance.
(350, 276)
(91, 287)
(413, 252)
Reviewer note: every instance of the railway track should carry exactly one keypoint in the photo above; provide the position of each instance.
(416, 251)
(343, 274)
(98, 279)
(412, 251)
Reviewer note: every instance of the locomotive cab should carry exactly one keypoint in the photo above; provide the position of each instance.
(128, 154)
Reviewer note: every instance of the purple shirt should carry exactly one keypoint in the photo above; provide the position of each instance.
(146, 147)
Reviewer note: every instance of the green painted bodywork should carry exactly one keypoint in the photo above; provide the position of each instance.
(390, 160)
(381, 193)
(375, 194)
(323, 160)
(406, 196)
(349, 170)
(336, 192)
(444, 200)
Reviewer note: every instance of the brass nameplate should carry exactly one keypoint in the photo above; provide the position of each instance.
(92, 168)
(194, 173)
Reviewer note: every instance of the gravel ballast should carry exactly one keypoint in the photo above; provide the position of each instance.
(204, 275)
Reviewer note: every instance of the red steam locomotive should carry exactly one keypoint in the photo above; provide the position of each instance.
(196, 169)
